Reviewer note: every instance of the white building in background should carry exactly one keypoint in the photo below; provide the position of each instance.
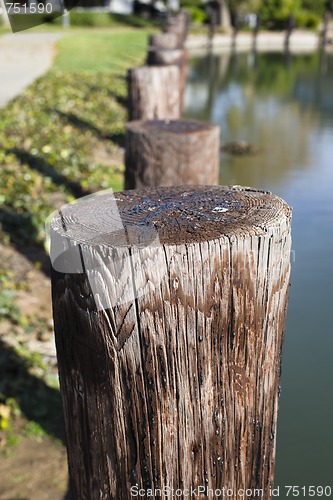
(122, 6)
(127, 6)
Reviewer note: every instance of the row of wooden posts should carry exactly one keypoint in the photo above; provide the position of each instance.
(161, 148)
(169, 307)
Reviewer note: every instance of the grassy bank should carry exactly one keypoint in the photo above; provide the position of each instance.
(102, 51)
(60, 139)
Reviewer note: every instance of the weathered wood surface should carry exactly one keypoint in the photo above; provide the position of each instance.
(171, 153)
(167, 41)
(153, 92)
(169, 344)
(177, 24)
(165, 57)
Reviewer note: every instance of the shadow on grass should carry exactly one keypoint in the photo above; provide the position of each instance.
(40, 165)
(123, 101)
(117, 96)
(82, 124)
(37, 401)
(21, 226)
(22, 231)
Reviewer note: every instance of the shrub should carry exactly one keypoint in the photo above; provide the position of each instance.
(105, 19)
(306, 19)
(90, 19)
(198, 15)
(191, 3)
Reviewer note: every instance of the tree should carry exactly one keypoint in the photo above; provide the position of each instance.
(317, 7)
(225, 19)
(278, 11)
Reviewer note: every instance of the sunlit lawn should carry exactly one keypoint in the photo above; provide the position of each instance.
(108, 51)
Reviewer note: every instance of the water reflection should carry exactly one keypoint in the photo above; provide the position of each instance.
(283, 104)
(262, 99)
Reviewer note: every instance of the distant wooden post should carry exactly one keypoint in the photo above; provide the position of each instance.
(167, 41)
(168, 48)
(164, 57)
(153, 92)
(177, 24)
(169, 341)
(171, 153)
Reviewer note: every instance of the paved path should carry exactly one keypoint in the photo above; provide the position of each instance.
(23, 58)
(300, 40)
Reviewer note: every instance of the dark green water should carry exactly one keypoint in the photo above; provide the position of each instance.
(284, 105)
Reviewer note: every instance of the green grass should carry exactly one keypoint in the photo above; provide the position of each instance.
(78, 19)
(4, 30)
(60, 138)
(110, 51)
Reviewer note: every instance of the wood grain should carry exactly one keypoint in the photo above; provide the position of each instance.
(164, 41)
(153, 92)
(171, 153)
(178, 24)
(165, 57)
(176, 382)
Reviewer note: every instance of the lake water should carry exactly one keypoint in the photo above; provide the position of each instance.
(283, 104)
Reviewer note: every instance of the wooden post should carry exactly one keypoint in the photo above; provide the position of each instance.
(153, 92)
(167, 41)
(171, 153)
(177, 24)
(165, 57)
(169, 342)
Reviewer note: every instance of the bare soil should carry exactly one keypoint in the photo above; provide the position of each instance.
(35, 468)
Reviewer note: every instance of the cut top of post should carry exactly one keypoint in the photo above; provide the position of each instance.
(173, 126)
(178, 215)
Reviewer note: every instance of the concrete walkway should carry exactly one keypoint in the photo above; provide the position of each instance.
(266, 41)
(23, 58)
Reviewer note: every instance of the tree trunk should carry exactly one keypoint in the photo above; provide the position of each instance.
(169, 341)
(171, 153)
(225, 18)
(153, 92)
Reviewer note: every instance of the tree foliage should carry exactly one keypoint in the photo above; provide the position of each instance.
(275, 13)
